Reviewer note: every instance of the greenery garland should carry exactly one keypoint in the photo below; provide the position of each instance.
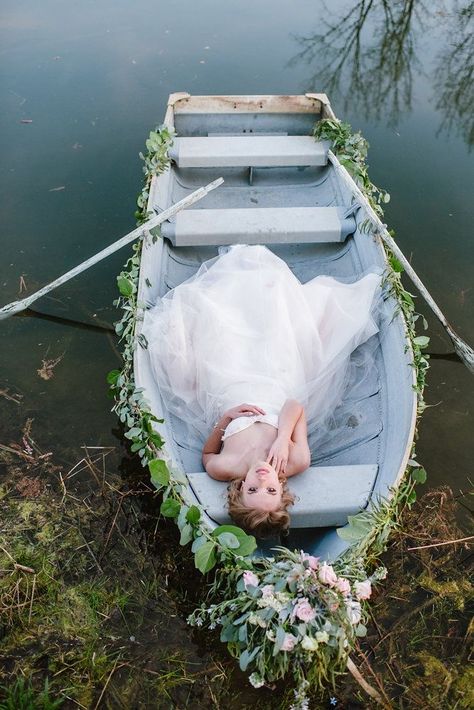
(293, 612)
(351, 150)
(369, 531)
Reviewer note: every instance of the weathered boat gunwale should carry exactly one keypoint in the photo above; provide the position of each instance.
(162, 185)
(267, 103)
(409, 348)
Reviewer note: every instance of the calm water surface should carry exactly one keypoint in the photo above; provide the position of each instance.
(93, 79)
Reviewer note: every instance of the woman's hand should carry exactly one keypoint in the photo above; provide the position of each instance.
(243, 410)
(279, 453)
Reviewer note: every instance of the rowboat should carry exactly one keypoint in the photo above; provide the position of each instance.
(284, 189)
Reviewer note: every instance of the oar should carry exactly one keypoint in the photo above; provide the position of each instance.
(11, 308)
(463, 350)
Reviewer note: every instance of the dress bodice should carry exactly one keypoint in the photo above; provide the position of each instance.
(241, 423)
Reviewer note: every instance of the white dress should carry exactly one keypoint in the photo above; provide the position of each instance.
(245, 330)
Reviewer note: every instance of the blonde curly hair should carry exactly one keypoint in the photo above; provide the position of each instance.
(263, 523)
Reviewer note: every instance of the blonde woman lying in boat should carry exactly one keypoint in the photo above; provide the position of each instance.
(257, 453)
(245, 329)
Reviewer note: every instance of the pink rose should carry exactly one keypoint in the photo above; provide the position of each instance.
(313, 562)
(304, 611)
(250, 579)
(363, 590)
(343, 585)
(288, 642)
(327, 575)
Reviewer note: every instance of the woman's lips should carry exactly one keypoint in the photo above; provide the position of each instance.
(262, 470)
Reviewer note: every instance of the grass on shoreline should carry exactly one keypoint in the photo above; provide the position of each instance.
(87, 616)
(94, 590)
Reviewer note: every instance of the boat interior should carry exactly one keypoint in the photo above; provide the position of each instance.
(281, 190)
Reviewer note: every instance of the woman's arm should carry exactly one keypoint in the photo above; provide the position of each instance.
(211, 458)
(289, 453)
(288, 418)
(214, 440)
(300, 455)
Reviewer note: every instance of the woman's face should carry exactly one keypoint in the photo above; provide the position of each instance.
(261, 488)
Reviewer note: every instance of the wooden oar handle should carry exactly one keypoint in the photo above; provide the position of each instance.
(387, 238)
(16, 306)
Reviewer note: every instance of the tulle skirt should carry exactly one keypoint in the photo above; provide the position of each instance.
(244, 329)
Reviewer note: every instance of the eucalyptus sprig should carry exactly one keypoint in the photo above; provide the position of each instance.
(156, 161)
(130, 405)
(351, 149)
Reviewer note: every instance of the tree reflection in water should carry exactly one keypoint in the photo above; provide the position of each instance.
(366, 58)
(455, 77)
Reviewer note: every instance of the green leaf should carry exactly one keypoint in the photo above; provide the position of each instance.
(229, 540)
(137, 446)
(396, 265)
(238, 532)
(361, 630)
(125, 286)
(157, 440)
(133, 432)
(229, 633)
(356, 529)
(181, 521)
(419, 475)
(186, 534)
(193, 515)
(247, 543)
(411, 498)
(198, 542)
(243, 633)
(160, 476)
(170, 508)
(280, 637)
(205, 557)
(422, 341)
(113, 376)
(247, 657)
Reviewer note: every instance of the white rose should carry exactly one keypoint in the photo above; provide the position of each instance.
(354, 612)
(256, 680)
(309, 643)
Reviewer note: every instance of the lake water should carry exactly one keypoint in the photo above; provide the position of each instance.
(82, 84)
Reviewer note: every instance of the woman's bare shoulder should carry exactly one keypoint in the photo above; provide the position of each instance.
(223, 466)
